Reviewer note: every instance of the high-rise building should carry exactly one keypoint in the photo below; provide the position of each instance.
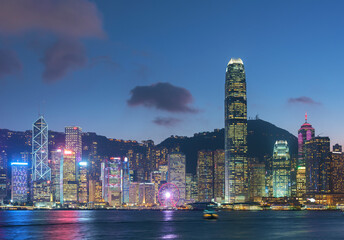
(83, 183)
(305, 133)
(318, 161)
(3, 175)
(205, 176)
(74, 141)
(191, 191)
(281, 169)
(219, 175)
(176, 173)
(337, 170)
(112, 181)
(19, 182)
(236, 170)
(134, 193)
(125, 180)
(257, 174)
(40, 168)
(57, 175)
(70, 184)
(156, 180)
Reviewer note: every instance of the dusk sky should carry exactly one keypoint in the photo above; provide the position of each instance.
(150, 69)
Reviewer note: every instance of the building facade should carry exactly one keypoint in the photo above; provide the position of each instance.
(19, 190)
(236, 173)
(70, 184)
(337, 170)
(281, 170)
(176, 173)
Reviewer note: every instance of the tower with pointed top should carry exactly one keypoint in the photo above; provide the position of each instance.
(236, 165)
(40, 169)
(305, 133)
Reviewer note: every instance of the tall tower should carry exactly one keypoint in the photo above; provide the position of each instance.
(236, 167)
(40, 169)
(305, 133)
(281, 167)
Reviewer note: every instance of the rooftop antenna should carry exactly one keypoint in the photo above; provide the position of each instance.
(306, 117)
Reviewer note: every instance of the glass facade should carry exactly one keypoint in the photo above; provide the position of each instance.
(281, 170)
(176, 173)
(19, 182)
(70, 190)
(236, 166)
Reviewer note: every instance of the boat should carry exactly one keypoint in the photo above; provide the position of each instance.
(210, 213)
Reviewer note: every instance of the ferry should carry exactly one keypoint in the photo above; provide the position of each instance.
(210, 212)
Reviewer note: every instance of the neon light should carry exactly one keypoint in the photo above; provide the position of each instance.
(19, 163)
(75, 128)
(58, 150)
(125, 159)
(167, 195)
(83, 163)
(67, 152)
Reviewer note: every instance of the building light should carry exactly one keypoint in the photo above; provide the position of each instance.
(67, 152)
(83, 163)
(19, 163)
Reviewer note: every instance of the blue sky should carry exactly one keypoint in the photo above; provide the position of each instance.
(291, 49)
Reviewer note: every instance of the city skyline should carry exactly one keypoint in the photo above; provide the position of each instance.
(118, 67)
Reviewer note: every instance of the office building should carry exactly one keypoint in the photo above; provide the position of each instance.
(236, 165)
(281, 169)
(176, 173)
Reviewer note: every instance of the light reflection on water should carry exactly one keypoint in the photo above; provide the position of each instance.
(169, 225)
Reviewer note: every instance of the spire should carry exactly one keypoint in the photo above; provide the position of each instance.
(306, 117)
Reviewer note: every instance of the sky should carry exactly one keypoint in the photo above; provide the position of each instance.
(150, 69)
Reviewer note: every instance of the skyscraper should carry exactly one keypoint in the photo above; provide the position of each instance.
(318, 160)
(40, 168)
(57, 175)
(281, 167)
(305, 133)
(236, 166)
(176, 173)
(83, 183)
(19, 182)
(337, 170)
(74, 141)
(70, 189)
(205, 176)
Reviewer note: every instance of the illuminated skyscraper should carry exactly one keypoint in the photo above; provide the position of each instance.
(125, 180)
(318, 160)
(236, 172)
(57, 175)
(305, 133)
(219, 175)
(112, 181)
(74, 141)
(205, 176)
(83, 183)
(3, 175)
(176, 173)
(281, 170)
(40, 169)
(146, 194)
(19, 182)
(337, 170)
(70, 189)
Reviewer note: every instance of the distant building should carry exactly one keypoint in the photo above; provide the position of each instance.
(146, 194)
(191, 191)
(236, 174)
(305, 133)
(257, 185)
(210, 175)
(134, 193)
(19, 182)
(337, 170)
(281, 170)
(164, 172)
(205, 176)
(83, 183)
(57, 175)
(126, 179)
(176, 173)
(156, 180)
(70, 184)
(112, 181)
(74, 141)
(318, 160)
(3, 176)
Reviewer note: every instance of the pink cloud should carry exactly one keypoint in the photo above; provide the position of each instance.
(70, 18)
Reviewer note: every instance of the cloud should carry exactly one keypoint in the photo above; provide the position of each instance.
(162, 96)
(303, 100)
(77, 18)
(104, 60)
(166, 121)
(62, 57)
(9, 63)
